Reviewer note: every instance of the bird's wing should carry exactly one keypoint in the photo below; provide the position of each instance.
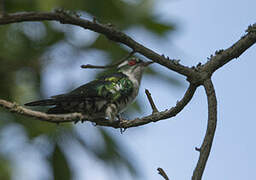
(107, 87)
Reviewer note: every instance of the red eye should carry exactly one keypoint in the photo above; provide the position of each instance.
(132, 62)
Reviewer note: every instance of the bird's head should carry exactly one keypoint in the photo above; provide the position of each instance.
(133, 67)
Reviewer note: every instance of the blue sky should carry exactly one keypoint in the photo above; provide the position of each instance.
(203, 28)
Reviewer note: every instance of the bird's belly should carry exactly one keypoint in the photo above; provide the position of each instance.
(123, 104)
(94, 108)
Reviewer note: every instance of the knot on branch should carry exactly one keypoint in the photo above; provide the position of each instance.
(16, 108)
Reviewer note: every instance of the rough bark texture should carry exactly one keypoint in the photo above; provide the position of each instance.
(211, 127)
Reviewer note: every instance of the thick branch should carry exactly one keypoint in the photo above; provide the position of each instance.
(224, 56)
(74, 117)
(108, 31)
(211, 127)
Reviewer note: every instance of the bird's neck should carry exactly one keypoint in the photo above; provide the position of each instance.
(135, 81)
(134, 77)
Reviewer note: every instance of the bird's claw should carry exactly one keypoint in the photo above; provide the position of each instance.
(121, 121)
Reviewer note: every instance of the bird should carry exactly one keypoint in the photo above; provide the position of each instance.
(103, 98)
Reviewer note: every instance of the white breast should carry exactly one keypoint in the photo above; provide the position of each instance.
(135, 83)
(122, 105)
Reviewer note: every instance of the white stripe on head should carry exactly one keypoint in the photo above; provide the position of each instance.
(123, 64)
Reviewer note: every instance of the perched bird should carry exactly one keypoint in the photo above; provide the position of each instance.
(103, 98)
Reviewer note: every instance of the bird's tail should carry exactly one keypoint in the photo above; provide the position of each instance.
(44, 102)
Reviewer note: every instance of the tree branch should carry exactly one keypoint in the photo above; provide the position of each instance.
(224, 56)
(152, 104)
(75, 117)
(109, 31)
(211, 127)
(13, 107)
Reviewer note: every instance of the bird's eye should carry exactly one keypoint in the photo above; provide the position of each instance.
(132, 62)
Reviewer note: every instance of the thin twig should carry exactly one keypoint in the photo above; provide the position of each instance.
(111, 65)
(162, 173)
(152, 104)
(211, 127)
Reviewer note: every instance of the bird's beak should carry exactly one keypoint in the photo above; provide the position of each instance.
(147, 63)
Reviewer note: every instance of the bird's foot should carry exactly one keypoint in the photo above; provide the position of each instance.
(121, 122)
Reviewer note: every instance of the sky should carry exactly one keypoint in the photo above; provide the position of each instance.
(206, 26)
(202, 28)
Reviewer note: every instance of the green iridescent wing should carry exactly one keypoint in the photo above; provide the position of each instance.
(112, 87)
(117, 87)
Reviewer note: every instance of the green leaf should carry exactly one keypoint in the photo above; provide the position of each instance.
(157, 27)
(5, 169)
(61, 169)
